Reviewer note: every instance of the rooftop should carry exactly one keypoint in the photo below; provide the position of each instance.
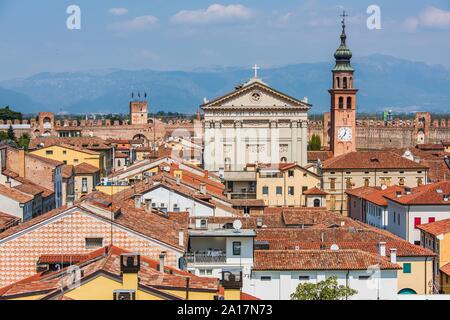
(431, 194)
(436, 228)
(371, 160)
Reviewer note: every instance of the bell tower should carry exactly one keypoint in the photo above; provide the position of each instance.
(343, 100)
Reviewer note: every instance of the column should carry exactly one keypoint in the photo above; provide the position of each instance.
(304, 144)
(294, 134)
(239, 152)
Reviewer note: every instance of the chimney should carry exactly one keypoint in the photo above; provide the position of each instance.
(162, 258)
(148, 205)
(181, 237)
(398, 194)
(393, 255)
(446, 197)
(178, 180)
(202, 188)
(137, 201)
(382, 249)
(206, 174)
(21, 163)
(130, 265)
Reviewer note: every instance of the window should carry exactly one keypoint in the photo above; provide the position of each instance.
(64, 152)
(316, 203)
(348, 183)
(341, 103)
(205, 272)
(419, 182)
(237, 248)
(338, 81)
(431, 219)
(279, 191)
(398, 219)
(303, 278)
(349, 103)
(93, 243)
(345, 83)
(84, 185)
(366, 182)
(75, 160)
(291, 191)
(246, 210)
(364, 277)
(401, 181)
(333, 184)
(417, 221)
(291, 173)
(407, 268)
(266, 278)
(49, 152)
(265, 191)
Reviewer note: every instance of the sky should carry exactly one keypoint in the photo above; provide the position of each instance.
(198, 34)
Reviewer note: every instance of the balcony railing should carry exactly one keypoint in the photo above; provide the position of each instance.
(214, 257)
(242, 196)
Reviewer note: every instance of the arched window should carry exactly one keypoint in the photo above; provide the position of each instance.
(338, 82)
(349, 102)
(316, 203)
(341, 103)
(227, 164)
(283, 160)
(119, 163)
(345, 83)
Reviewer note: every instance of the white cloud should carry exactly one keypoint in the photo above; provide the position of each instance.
(434, 17)
(431, 17)
(142, 23)
(215, 13)
(118, 11)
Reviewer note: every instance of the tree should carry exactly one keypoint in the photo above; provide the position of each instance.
(11, 134)
(7, 114)
(315, 144)
(24, 141)
(323, 290)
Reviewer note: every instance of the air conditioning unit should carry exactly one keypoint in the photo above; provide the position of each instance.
(201, 223)
(124, 294)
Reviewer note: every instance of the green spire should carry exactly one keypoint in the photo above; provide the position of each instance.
(343, 55)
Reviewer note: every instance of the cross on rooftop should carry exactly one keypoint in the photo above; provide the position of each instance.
(256, 68)
(344, 15)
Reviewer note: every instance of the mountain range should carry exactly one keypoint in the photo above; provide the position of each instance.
(384, 82)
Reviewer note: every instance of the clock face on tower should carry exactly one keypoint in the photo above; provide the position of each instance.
(345, 134)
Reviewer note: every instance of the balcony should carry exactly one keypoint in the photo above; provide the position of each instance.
(210, 257)
(241, 196)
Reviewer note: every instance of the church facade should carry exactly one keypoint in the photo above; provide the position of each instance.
(254, 124)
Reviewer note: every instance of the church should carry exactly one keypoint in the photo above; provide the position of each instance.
(254, 124)
(259, 124)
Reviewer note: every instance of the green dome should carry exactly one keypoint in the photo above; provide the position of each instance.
(343, 55)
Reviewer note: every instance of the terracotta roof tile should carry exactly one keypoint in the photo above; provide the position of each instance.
(85, 168)
(7, 221)
(15, 194)
(371, 160)
(436, 228)
(319, 260)
(315, 192)
(431, 194)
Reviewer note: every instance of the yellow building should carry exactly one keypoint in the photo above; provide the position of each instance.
(112, 273)
(284, 184)
(71, 155)
(367, 169)
(435, 236)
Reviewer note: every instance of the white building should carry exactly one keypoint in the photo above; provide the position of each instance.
(254, 123)
(276, 274)
(413, 207)
(213, 253)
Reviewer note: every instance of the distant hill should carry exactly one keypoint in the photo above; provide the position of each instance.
(383, 81)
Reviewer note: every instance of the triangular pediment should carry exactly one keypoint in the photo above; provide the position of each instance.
(256, 94)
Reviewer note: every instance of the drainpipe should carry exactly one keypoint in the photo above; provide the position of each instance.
(346, 282)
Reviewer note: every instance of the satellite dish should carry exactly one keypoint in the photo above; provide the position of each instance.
(237, 225)
(334, 247)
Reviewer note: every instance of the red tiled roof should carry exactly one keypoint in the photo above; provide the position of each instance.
(67, 171)
(313, 156)
(431, 194)
(315, 192)
(445, 269)
(436, 228)
(85, 168)
(7, 221)
(108, 260)
(319, 260)
(376, 195)
(15, 194)
(371, 160)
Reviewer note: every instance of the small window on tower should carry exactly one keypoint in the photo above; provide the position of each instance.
(349, 102)
(341, 103)
(345, 83)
